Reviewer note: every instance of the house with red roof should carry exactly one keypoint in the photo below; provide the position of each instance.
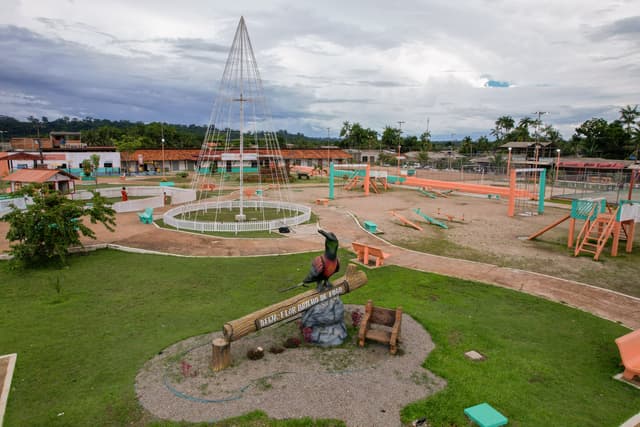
(55, 179)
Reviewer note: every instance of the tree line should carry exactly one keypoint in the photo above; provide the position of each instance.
(596, 137)
(104, 132)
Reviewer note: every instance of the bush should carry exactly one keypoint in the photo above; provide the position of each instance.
(182, 174)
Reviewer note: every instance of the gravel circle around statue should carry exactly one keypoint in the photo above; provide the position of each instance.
(361, 386)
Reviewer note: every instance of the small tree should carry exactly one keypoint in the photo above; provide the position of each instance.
(423, 157)
(86, 167)
(48, 227)
(95, 164)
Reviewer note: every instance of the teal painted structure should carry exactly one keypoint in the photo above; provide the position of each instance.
(101, 171)
(370, 226)
(246, 169)
(541, 194)
(581, 208)
(485, 416)
(392, 179)
(621, 204)
(427, 193)
(431, 220)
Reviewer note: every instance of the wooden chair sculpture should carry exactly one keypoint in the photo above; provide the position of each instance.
(387, 330)
(629, 346)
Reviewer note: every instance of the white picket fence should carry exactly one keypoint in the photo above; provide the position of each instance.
(170, 217)
(153, 197)
(19, 202)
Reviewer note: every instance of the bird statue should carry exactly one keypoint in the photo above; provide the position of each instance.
(325, 265)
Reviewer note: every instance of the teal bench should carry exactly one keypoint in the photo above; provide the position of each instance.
(146, 217)
(485, 415)
(370, 226)
(167, 184)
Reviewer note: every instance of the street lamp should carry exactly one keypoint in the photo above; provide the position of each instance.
(162, 132)
(509, 161)
(328, 152)
(453, 135)
(557, 164)
(400, 122)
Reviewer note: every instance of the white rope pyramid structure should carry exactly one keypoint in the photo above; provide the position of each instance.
(241, 176)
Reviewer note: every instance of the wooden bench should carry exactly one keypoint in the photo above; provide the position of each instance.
(629, 346)
(146, 217)
(387, 330)
(363, 253)
(324, 202)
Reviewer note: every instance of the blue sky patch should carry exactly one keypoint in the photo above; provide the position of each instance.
(496, 83)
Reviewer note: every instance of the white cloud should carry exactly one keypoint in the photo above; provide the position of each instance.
(326, 62)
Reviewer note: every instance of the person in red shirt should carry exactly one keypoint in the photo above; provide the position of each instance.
(125, 196)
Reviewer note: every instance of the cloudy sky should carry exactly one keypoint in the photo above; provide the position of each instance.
(456, 65)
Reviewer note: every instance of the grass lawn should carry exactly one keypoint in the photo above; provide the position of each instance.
(83, 332)
(229, 215)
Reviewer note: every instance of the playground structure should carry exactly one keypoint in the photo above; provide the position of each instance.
(429, 219)
(525, 185)
(433, 194)
(449, 217)
(527, 191)
(600, 225)
(240, 110)
(358, 176)
(405, 221)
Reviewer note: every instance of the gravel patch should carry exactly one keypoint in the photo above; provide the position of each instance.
(362, 386)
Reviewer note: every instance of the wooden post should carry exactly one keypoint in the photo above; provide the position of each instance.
(572, 230)
(630, 233)
(367, 179)
(512, 193)
(220, 354)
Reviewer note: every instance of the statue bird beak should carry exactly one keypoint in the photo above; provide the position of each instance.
(328, 235)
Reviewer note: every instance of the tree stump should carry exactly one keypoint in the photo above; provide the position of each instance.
(220, 354)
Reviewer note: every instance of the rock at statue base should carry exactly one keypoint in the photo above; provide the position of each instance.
(326, 321)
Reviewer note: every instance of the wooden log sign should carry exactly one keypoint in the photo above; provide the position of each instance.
(236, 329)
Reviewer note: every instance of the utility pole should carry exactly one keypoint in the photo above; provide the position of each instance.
(539, 113)
(328, 152)
(400, 122)
(162, 132)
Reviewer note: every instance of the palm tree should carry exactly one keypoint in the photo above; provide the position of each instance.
(628, 116)
(504, 125)
(498, 161)
(525, 122)
(551, 134)
(635, 139)
(506, 122)
(466, 147)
